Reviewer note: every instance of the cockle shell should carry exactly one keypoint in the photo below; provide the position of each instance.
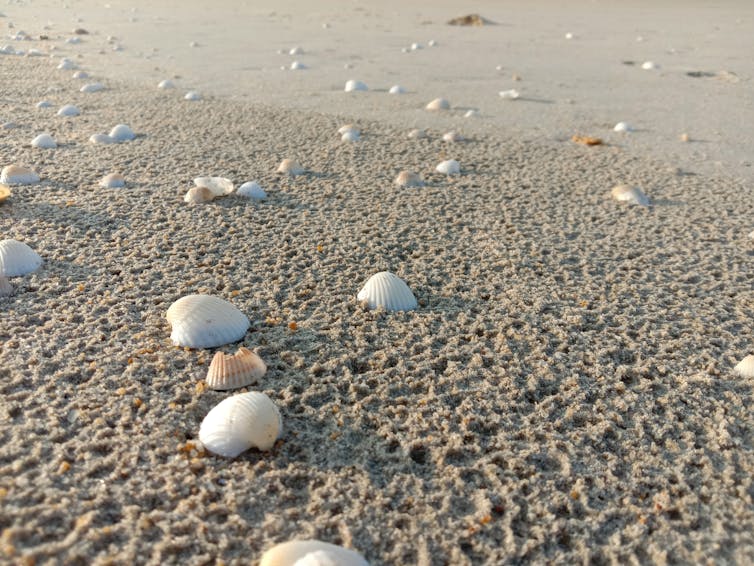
(452, 137)
(166, 84)
(80, 75)
(112, 181)
(44, 141)
(6, 289)
(220, 186)
(438, 104)
(198, 195)
(239, 370)
(291, 167)
(69, 110)
(4, 193)
(449, 167)
(204, 321)
(397, 89)
(44, 104)
(17, 175)
(623, 127)
(92, 87)
(352, 86)
(417, 134)
(387, 290)
(240, 422)
(745, 368)
(252, 190)
(16, 258)
(408, 179)
(311, 553)
(101, 139)
(122, 133)
(193, 95)
(633, 195)
(511, 94)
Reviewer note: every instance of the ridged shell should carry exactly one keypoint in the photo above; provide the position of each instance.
(6, 289)
(220, 186)
(291, 167)
(122, 133)
(44, 141)
(92, 87)
(17, 175)
(438, 104)
(252, 190)
(198, 195)
(234, 371)
(633, 195)
(352, 86)
(387, 290)
(16, 259)
(449, 167)
(69, 110)
(240, 422)
(112, 181)
(311, 553)
(204, 321)
(745, 368)
(408, 179)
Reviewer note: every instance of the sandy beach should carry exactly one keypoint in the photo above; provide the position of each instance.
(564, 393)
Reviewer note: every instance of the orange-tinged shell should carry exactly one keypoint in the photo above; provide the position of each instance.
(4, 192)
(239, 370)
(586, 140)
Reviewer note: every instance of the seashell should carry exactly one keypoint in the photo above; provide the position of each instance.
(452, 137)
(73, 40)
(220, 186)
(745, 368)
(296, 51)
(166, 84)
(417, 134)
(298, 66)
(449, 167)
(471, 113)
(34, 53)
(92, 87)
(586, 140)
(511, 94)
(44, 141)
(408, 179)
(347, 128)
(80, 75)
(350, 136)
(416, 46)
(352, 86)
(623, 127)
(438, 104)
(684, 138)
(633, 195)
(204, 321)
(17, 175)
(240, 422)
(650, 66)
(112, 181)
(569, 35)
(252, 190)
(239, 370)
(193, 95)
(69, 110)
(122, 133)
(387, 290)
(66, 64)
(311, 553)
(198, 194)
(4, 193)
(101, 139)
(44, 104)
(291, 167)
(16, 258)
(6, 289)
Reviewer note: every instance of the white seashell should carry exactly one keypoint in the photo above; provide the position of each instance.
(633, 195)
(44, 141)
(416, 46)
(471, 113)
(197, 195)
(69, 110)
(112, 181)
(311, 553)
(751, 235)
(298, 66)
(291, 167)
(347, 128)
(449, 167)
(438, 104)
(452, 137)
(44, 104)
(417, 134)
(745, 368)
(166, 84)
(193, 95)
(511, 94)
(387, 290)
(92, 87)
(122, 133)
(66, 64)
(6, 289)
(204, 321)
(17, 175)
(239, 370)
(101, 139)
(73, 40)
(350, 136)
(649, 66)
(623, 127)
(569, 35)
(16, 258)
(352, 86)
(397, 89)
(252, 190)
(408, 179)
(220, 186)
(240, 422)
(296, 51)
(80, 75)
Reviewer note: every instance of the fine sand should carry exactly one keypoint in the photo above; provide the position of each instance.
(563, 394)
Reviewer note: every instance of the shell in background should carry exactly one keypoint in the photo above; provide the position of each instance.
(397, 89)
(348, 128)
(296, 51)
(4, 193)
(633, 195)
(352, 86)
(417, 134)
(310, 553)
(291, 167)
(101, 139)
(198, 194)
(252, 190)
(44, 141)
(6, 289)
(511, 94)
(449, 167)
(471, 113)
(649, 66)
(16, 259)
(17, 175)
(204, 321)
(438, 104)
(44, 104)
(193, 95)
(239, 370)
(112, 181)
(623, 127)
(220, 186)
(80, 75)
(66, 64)
(122, 133)
(350, 136)
(452, 137)
(69, 110)
(92, 87)
(240, 422)
(167, 84)
(745, 368)
(408, 179)
(298, 66)
(387, 290)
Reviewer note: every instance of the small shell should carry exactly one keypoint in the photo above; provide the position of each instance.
(408, 179)
(6, 289)
(311, 553)
(17, 175)
(239, 370)
(4, 193)
(240, 422)
(397, 89)
(44, 104)
(122, 133)
(471, 113)
(198, 195)
(252, 190)
(432, 43)
(193, 95)
(298, 66)
(204, 321)
(92, 87)
(66, 64)
(623, 127)
(16, 258)
(73, 40)
(353, 85)
(511, 94)
(69, 110)
(296, 51)
(44, 141)
(745, 368)
(80, 75)
(167, 84)
(220, 186)
(101, 139)
(350, 136)
(416, 46)
(347, 128)
(649, 66)
(633, 195)
(387, 290)
(452, 137)
(112, 181)
(417, 134)
(438, 104)
(449, 167)
(291, 167)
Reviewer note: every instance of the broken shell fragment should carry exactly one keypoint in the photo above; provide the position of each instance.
(745, 368)
(311, 553)
(633, 195)
(241, 422)
(353, 86)
(252, 190)
(511, 94)
(387, 290)
(112, 181)
(409, 179)
(449, 167)
(220, 186)
(290, 167)
(69, 110)
(438, 104)
(239, 370)
(16, 259)
(92, 87)
(44, 141)
(17, 175)
(205, 321)
(197, 195)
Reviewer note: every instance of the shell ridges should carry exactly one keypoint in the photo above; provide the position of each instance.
(385, 289)
(17, 258)
(310, 553)
(234, 371)
(205, 321)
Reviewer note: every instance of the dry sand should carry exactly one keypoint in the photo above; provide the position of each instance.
(564, 392)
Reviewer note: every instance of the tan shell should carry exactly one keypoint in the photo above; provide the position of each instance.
(408, 179)
(231, 372)
(4, 192)
(199, 194)
(291, 167)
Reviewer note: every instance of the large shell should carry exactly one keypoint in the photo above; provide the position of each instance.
(449, 167)
(16, 258)
(204, 321)
(240, 422)
(745, 368)
(69, 110)
(112, 181)
(408, 179)
(198, 195)
(311, 553)
(438, 104)
(122, 133)
(44, 141)
(17, 175)
(352, 86)
(239, 370)
(291, 167)
(633, 195)
(220, 186)
(387, 290)
(252, 190)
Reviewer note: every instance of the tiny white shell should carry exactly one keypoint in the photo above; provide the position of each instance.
(397, 89)
(350, 136)
(220, 186)
(347, 128)
(44, 104)
(92, 87)
(311, 553)
(44, 141)
(167, 84)
(511, 94)
(387, 290)
(69, 110)
(73, 40)
(452, 137)
(353, 85)
(569, 35)
(449, 167)
(409, 179)
(633, 195)
(101, 139)
(80, 75)
(252, 190)
(112, 181)
(16, 259)
(17, 175)
(298, 66)
(623, 127)
(416, 46)
(417, 134)
(291, 167)
(122, 133)
(240, 422)
(233, 371)
(438, 104)
(471, 113)
(66, 64)
(204, 321)
(649, 66)
(296, 51)
(432, 43)
(193, 95)
(198, 195)
(745, 368)
(6, 289)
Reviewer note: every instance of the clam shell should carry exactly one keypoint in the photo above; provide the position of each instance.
(16, 259)
(4, 193)
(92, 87)
(438, 104)
(252, 190)
(193, 95)
(633, 195)
(745, 368)
(511, 94)
(387, 290)
(112, 181)
(122, 133)
(623, 127)
(204, 321)
(166, 84)
(408, 179)
(449, 167)
(397, 89)
(44, 141)
(198, 194)
(240, 422)
(101, 139)
(352, 86)
(239, 370)
(17, 175)
(291, 167)
(310, 553)
(6, 289)
(220, 186)
(452, 137)
(69, 110)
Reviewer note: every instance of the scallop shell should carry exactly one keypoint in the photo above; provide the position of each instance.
(220, 186)
(633, 195)
(167, 84)
(4, 193)
(44, 104)
(122, 133)
(350, 136)
(298, 66)
(311, 553)
(16, 258)
(352, 86)
(44, 141)
(452, 137)
(17, 175)
(6, 289)
(397, 89)
(387, 290)
(92, 87)
(101, 139)
(69, 110)
(408, 179)
(198, 194)
(240, 422)
(112, 181)
(239, 370)
(417, 134)
(252, 190)
(204, 321)
(623, 127)
(80, 75)
(511, 94)
(449, 167)
(438, 104)
(291, 167)
(745, 368)
(193, 95)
